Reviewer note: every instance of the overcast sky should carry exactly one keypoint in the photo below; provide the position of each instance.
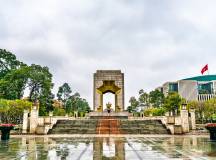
(151, 41)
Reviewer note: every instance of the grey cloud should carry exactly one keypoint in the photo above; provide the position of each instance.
(150, 41)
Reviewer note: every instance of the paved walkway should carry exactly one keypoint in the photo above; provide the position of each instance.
(115, 147)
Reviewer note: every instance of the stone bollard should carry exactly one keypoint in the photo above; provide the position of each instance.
(25, 121)
(50, 115)
(184, 119)
(75, 114)
(193, 119)
(33, 119)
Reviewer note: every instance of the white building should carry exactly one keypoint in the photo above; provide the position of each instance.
(199, 88)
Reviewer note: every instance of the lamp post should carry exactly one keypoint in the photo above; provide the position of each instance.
(184, 106)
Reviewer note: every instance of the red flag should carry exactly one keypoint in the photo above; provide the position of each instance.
(205, 68)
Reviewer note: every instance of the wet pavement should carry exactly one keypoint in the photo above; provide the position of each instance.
(108, 147)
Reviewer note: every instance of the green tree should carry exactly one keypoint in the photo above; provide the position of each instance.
(76, 103)
(40, 85)
(156, 98)
(39, 81)
(8, 62)
(133, 103)
(203, 110)
(13, 84)
(71, 104)
(172, 102)
(64, 93)
(210, 109)
(143, 98)
(129, 109)
(35, 77)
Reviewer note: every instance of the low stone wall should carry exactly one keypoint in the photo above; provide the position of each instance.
(47, 123)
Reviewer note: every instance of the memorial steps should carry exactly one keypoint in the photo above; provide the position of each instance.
(109, 126)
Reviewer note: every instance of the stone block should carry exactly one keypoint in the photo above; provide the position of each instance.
(170, 120)
(178, 129)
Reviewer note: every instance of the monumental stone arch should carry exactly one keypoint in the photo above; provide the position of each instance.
(108, 81)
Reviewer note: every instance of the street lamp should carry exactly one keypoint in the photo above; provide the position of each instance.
(184, 106)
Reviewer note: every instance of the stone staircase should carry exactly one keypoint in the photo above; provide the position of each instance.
(109, 126)
(142, 127)
(74, 127)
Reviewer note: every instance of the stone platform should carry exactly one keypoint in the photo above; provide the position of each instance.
(106, 115)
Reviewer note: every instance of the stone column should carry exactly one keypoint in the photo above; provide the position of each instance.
(193, 119)
(101, 102)
(33, 119)
(25, 121)
(184, 120)
(116, 102)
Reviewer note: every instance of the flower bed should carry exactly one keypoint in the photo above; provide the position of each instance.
(5, 130)
(211, 127)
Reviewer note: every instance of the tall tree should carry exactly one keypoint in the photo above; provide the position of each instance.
(210, 109)
(199, 108)
(8, 62)
(156, 98)
(133, 103)
(143, 98)
(13, 84)
(64, 93)
(172, 102)
(76, 103)
(71, 104)
(39, 81)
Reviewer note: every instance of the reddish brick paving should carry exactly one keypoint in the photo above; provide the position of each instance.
(108, 126)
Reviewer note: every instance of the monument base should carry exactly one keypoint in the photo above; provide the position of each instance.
(106, 115)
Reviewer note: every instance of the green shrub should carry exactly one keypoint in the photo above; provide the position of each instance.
(11, 111)
(81, 114)
(158, 112)
(147, 112)
(59, 112)
(155, 112)
(136, 114)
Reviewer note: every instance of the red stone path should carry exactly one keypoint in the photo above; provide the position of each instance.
(108, 126)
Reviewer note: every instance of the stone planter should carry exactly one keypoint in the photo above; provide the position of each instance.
(211, 127)
(170, 120)
(5, 131)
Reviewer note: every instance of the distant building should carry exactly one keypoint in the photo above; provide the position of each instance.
(201, 88)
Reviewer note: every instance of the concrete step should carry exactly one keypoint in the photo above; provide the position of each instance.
(109, 126)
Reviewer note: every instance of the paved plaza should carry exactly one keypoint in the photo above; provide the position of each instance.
(100, 147)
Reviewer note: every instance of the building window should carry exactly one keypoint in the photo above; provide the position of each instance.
(205, 88)
(173, 87)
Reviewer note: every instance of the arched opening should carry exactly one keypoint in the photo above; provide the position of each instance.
(109, 98)
(112, 98)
